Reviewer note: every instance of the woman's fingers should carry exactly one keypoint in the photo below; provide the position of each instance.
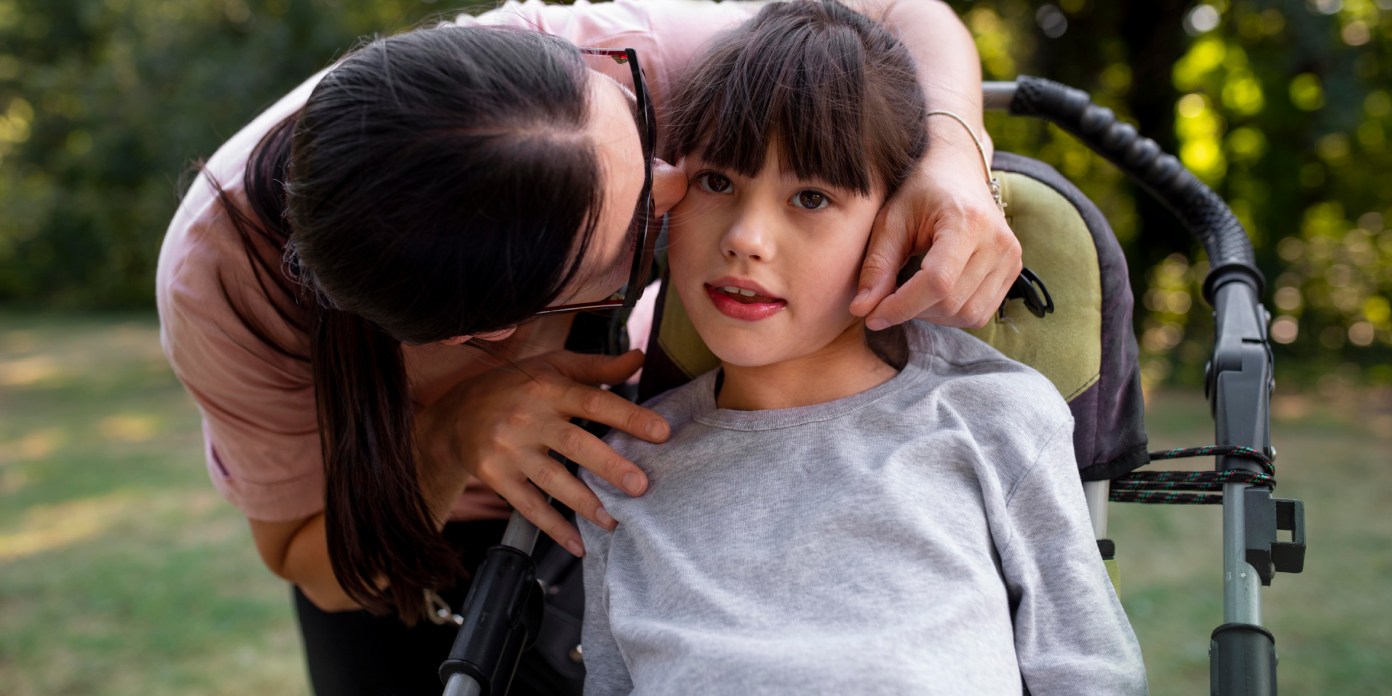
(580, 399)
(578, 445)
(552, 478)
(891, 243)
(600, 406)
(961, 293)
(531, 502)
(501, 425)
(595, 369)
(983, 303)
(971, 256)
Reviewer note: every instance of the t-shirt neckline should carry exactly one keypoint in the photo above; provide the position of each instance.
(704, 409)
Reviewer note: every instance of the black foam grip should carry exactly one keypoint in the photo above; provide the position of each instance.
(1202, 212)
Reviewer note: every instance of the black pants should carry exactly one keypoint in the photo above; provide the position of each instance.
(355, 653)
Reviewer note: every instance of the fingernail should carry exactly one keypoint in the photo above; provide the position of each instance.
(657, 430)
(575, 548)
(864, 293)
(876, 324)
(633, 483)
(604, 519)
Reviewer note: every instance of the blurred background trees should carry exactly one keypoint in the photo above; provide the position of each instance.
(1282, 106)
(104, 105)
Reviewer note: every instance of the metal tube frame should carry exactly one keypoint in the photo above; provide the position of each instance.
(1238, 421)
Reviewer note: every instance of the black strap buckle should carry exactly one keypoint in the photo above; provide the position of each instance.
(1031, 289)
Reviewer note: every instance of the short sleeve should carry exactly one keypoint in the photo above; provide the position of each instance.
(220, 334)
(1071, 634)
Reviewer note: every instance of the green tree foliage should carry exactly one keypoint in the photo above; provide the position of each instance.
(1282, 106)
(105, 103)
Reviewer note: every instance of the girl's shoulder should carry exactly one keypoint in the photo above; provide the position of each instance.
(679, 406)
(967, 376)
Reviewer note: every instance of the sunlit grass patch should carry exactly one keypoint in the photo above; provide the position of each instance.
(123, 571)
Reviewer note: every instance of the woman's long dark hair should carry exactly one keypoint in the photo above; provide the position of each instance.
(836, 91)
(437, 183)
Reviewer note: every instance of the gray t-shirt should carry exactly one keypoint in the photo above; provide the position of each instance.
(928, 536)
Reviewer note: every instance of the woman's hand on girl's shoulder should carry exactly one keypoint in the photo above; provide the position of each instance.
(501, 426)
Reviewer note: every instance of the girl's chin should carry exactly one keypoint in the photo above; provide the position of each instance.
(744, 358)
(762, 351)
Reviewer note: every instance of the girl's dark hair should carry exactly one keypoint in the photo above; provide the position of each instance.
(437, 183)
(833, 89)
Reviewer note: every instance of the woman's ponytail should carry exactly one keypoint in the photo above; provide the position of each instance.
(378, 524)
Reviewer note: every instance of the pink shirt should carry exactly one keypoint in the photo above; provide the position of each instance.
(259, 422)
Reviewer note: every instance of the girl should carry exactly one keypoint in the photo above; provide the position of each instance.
(835, 512)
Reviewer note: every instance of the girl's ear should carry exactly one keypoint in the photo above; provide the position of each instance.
(489, 336)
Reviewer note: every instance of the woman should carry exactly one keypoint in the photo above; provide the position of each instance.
(461, 187)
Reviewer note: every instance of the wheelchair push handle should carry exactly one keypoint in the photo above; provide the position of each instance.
(1238, 379)
(1202, 212)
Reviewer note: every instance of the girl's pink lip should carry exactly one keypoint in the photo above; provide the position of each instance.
(728, 282)
(743, 311)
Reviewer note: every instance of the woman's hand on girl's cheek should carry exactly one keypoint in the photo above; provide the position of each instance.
(946, 210)
(500, 426)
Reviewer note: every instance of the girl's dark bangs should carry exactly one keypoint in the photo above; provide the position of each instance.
(813, 111)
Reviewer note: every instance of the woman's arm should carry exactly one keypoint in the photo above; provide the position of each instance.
(946, 208)
(297, 551)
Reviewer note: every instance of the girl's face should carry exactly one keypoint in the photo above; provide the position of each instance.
(767, 266)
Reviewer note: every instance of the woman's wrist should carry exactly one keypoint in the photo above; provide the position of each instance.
(960, 126)
(950, 142)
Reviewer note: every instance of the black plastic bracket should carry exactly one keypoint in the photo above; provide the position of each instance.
(1032, 291)
(1238, 379)
(502, 617)
(1264, 517)
(1289, 556)
(1107, 548)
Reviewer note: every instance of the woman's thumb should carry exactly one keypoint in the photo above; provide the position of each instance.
(597, 369)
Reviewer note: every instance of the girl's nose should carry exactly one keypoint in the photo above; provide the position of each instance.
(668, 187)
(746, 238)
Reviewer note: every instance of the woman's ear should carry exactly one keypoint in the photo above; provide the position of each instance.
(496, 335)
(488, 336)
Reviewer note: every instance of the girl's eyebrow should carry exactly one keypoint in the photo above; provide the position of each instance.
(791, 177)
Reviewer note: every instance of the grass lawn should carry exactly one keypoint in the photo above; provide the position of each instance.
(123, 572)
(1333, 622)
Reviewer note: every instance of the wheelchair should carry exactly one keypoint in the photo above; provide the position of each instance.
(1070, 317)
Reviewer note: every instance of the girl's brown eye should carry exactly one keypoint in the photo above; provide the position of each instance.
(714, 183)
(810, 200)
